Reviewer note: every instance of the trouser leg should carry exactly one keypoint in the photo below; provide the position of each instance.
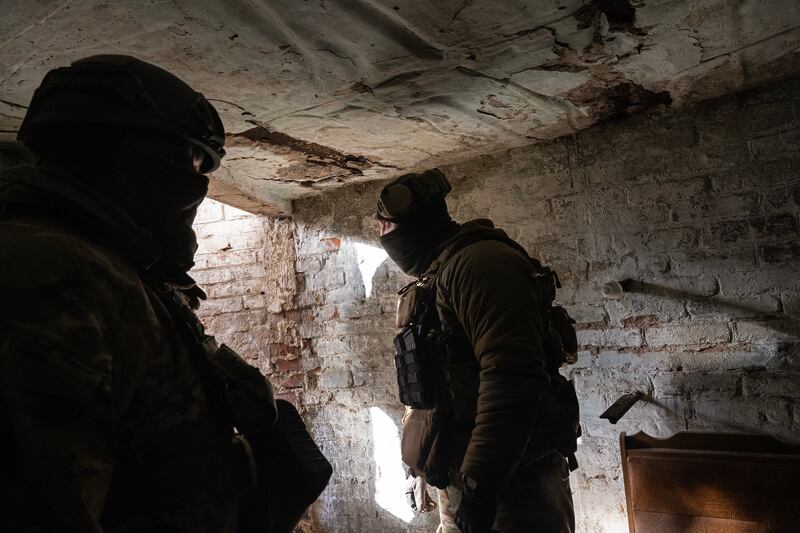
(449, 499)
(537, 499)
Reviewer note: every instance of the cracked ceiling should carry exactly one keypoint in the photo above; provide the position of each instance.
(319, 93)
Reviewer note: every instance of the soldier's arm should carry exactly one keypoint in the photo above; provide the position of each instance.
(493, 298)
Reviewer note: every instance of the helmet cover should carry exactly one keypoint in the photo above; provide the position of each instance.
(122, 91)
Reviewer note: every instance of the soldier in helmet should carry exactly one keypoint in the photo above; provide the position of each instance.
(491, 423)
(109, 421)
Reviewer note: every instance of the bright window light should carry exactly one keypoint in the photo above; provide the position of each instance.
(390, 477)
(369, 259)
(616, 524)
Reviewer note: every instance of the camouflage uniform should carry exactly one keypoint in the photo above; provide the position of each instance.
(107, 425)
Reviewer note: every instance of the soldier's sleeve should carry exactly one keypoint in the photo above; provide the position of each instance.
(57, 391)
(492, 296)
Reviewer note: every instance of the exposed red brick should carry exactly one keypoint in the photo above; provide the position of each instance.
(287, 365)
(331, 244)
(282, 350)
(293, 314)
(292, 382)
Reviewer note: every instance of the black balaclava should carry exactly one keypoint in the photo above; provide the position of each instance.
(159, 197)
(163, 201)
(415, 243)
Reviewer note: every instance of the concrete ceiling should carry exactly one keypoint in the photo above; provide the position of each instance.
(319, 93)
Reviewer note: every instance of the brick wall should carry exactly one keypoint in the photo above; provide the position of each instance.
(348, 346)
(299, 319)
(700, 207)
(246, 265)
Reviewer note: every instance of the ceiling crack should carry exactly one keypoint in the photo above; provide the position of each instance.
(545, 26)
(334, 54)
(13, 104)
(464, 5)
(296, 111)
(746, 46)
(564, 105)
(37, 23)
(484, 112)
(242, 109)
(315, 154)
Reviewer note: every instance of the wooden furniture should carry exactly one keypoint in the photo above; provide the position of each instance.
(711, 483)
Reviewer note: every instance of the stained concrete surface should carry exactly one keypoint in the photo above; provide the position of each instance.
(319, 94)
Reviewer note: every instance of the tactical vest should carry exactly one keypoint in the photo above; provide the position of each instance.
(438, 371)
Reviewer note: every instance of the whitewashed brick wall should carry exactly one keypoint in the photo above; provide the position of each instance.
(246, 265)
(702, 206)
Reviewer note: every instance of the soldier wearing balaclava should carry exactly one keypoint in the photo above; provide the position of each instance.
(490, 421)
(114, 408)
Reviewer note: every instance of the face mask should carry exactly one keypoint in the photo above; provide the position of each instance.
(413, 248)
(403, 247)
(163, 201)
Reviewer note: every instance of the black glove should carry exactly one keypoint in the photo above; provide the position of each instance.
(477, 509)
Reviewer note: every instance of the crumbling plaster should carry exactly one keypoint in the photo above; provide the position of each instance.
(319, 94)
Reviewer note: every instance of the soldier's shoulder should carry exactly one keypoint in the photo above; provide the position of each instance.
(484, 252)
(485, 263)
(36, 252)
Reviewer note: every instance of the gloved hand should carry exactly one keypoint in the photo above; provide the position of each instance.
(477, 509)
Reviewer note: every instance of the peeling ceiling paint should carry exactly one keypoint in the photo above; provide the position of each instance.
(319, 93)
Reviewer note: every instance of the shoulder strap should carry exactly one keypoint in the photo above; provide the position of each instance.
(242, 396)
(429, 277)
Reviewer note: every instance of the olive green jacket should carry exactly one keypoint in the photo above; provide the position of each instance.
(485, 291)
(107, 426)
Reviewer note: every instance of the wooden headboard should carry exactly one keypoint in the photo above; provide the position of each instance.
(697, 482)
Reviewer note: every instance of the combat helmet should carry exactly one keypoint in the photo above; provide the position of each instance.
(122, 91)
(403, 197)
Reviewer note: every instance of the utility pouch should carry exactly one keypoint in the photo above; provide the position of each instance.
(562, 333)
(248, 394)
(410, 303)
(414, 366)
(558, 424)
(292, 471)
(422, 428)
(547, 282)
